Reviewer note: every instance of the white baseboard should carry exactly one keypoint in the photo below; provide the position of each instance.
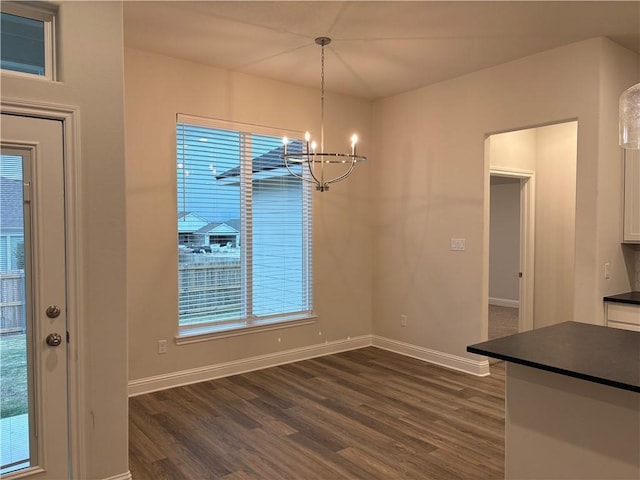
(504, 302)
(474, 367)
(122, 476)
(211, 372)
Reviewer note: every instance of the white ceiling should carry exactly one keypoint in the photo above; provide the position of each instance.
(378, 48)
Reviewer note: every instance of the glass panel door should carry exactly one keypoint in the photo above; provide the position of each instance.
(34, 409)
(16, 377)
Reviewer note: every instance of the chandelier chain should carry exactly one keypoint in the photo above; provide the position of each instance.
(322, 101)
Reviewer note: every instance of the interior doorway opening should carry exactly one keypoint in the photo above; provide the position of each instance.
(504, 254)
(532, 184)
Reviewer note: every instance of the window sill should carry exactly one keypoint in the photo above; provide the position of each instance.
(206, 333)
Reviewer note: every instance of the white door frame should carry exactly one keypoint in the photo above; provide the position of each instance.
(69, 116)
(527, 241)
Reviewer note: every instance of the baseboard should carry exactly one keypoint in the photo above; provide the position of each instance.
(211, 372)
(122, 476)
(504, 302)
(474, 367)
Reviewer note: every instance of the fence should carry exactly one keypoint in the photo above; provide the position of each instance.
(12, 303)
(210, 287)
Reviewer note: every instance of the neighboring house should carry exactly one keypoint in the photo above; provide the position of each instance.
(11, 224)
(188, 224)
(12, 294)
(219, 233)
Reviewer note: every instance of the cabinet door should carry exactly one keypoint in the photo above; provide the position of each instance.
(632, 196)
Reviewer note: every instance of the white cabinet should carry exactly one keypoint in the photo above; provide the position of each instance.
(623, 315)
(631, 232)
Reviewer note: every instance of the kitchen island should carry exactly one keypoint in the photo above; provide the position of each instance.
(572, 402)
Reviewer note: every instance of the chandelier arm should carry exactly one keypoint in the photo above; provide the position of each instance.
(344, 175)
(315, 180)
(294, 173)
(301, 177)
(311, 165)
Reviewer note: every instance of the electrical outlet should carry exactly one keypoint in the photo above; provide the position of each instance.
(607, 270)
(403, 320)
(162, 346)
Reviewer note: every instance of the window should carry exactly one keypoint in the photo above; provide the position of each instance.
(244, 228)
(26, 39)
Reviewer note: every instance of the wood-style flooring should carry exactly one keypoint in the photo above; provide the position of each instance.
(362, 414)
(503, 321)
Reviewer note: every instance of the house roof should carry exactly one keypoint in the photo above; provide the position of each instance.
(11, 203)
(194, 216)
(268, 162)
(220, 226)
(189, 222)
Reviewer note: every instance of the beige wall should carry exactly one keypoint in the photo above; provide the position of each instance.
(431, 183)
(158, 87)
(91, 61)
(555, 224)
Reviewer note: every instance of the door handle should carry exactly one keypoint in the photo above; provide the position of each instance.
(54, 339)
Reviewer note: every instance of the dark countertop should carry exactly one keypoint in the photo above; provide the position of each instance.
(609, 356)
(629, 297)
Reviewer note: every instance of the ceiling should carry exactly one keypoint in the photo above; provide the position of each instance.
(379, 48)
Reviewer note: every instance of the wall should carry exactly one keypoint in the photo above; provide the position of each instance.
(157, 88)
(504, 254)
(91, 79)
(432, 183)
(555, 223)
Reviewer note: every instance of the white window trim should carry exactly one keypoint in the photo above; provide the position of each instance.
(46, 15)
(206, 332)
(242, 328)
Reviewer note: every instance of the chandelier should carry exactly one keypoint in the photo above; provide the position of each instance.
(630, 118)
(324, 168)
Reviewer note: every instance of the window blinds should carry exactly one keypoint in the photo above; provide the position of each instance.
(244, 226)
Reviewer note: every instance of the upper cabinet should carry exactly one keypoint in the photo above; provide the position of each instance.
(632, 197)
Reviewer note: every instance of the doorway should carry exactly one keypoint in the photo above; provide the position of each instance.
(504, 256)
(511, 254)
(33, 272)
(542, 163)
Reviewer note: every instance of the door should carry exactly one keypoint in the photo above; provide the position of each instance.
(33, 342)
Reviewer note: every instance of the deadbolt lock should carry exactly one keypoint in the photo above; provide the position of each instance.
(53, 311)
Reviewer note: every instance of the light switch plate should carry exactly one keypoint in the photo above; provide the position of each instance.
(457, 244)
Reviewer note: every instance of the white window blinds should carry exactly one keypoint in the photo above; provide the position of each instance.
(244, 227)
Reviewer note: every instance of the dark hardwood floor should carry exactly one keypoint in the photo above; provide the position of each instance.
(363, 414)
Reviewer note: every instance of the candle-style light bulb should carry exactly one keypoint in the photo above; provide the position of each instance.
(307, 136)
(354, 140)
(285, 141)
(313, 147)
